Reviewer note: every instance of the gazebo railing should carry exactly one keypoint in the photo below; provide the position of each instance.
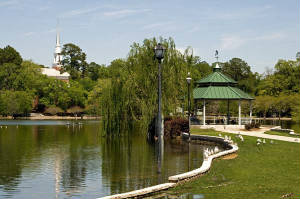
(220, 120)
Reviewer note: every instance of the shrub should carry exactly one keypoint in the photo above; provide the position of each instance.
(75, 110)
(252, 125)
(174, 127)
(53, 110)
(257, 125)
(248, 126)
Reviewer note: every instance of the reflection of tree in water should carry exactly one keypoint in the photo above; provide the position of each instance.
(82, 151)
(16, 150)
(74, 169)
(25, 146)
(73, 154)
(127, 158)
(131, 163)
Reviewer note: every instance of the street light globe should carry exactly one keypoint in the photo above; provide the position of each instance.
(188, 79)
(159, 51)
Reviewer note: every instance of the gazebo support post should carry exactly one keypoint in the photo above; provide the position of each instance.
(240, 119)
(250, 111)
(228, 114)
(204, 112)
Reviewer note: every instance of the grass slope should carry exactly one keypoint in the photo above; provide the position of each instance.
(265, 171)
(281, 134)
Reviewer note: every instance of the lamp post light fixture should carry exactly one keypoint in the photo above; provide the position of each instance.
(188, 80)
(159, 51)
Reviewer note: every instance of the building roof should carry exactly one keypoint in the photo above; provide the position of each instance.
(220, 92)
(51, 72)
(219, 86)
(218, 78)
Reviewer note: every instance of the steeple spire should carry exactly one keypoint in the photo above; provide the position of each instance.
(57, 38)
(57, 34)
(57, 54)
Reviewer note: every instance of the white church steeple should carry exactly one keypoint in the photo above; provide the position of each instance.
(57, 54)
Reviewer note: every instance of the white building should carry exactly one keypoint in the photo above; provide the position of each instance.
(52, 72)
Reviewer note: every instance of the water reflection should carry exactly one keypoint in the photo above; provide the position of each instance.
(75, 161)
(285, 124)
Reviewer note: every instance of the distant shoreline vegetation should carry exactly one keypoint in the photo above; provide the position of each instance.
(125, 92)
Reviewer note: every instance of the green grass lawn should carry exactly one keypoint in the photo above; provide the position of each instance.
(265, 171)
(282, 134)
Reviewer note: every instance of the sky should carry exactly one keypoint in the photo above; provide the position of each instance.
(258, 31)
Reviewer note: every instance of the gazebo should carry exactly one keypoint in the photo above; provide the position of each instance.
(218, 86)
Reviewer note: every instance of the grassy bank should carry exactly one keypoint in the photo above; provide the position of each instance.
(282, 134)
(264, 171)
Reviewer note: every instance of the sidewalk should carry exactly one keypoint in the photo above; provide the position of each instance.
(255, 133)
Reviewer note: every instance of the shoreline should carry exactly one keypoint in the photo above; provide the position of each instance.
(43, 117)
(40, 117)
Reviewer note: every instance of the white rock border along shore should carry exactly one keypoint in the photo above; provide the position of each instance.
(174, 180)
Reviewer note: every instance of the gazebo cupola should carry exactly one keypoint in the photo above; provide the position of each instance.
(218, 86)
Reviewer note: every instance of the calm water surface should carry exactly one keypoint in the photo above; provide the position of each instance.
(49, 159)
(285, 124)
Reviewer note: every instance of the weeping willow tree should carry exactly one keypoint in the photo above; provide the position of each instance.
(130, 95)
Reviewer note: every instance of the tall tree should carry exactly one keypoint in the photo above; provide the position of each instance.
(241, 72)
(10, 55)
(285, 79)
(74, 61)
(131, 94)
(9, 73)
(96, 71)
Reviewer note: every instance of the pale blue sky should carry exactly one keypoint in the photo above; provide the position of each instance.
(258, 31)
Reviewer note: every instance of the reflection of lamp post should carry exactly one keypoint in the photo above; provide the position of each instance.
(188, 80)
(159, 55)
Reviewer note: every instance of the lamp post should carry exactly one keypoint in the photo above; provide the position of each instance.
(188, 80)
(159, 55)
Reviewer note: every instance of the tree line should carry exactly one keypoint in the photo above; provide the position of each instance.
(24, 89)
(124, 92)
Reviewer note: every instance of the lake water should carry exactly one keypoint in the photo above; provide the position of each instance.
(285, 124)
(50, 159)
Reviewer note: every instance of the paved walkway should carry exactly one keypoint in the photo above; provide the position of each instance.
(255, 133)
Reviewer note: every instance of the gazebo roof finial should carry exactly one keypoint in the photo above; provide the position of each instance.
(217, 55)
(217, 67)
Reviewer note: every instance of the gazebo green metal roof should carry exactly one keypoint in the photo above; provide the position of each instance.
(216, 77)
(219, 86)
(220, 92)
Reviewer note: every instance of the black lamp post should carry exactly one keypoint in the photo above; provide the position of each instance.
(159, 55)
(188, 80)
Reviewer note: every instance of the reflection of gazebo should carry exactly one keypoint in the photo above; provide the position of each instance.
(218, 86)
